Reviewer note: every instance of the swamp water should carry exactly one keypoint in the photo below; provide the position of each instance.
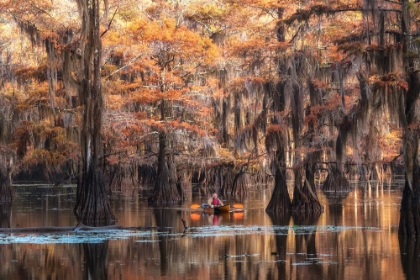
(355, 238)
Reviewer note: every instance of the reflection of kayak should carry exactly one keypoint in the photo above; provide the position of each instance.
(238, 215)
(195, 216)
(216, 209)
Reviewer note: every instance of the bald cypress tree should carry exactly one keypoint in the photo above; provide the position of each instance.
(92, 204)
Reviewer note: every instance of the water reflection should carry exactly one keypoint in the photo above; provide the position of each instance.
(5, 213)
(281, 244)
(165, 220)
(410, 253)
(95, 260)
(355, 238)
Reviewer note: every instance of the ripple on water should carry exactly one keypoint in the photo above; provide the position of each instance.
(193, 232)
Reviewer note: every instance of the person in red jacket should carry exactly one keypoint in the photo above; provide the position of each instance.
(214, 201)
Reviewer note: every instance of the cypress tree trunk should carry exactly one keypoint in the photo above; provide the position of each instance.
(305, 200)
(5, 214)
(280, 199)
(6, 189)
(165, 190)
(410, 203)
(92, 203)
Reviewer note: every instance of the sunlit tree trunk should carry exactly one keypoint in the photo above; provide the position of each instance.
(92, 204)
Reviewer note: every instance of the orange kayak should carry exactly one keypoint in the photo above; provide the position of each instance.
(224, 208)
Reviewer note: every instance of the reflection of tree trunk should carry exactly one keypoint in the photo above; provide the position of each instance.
(280, 219)
(95, 258)
(409, 213)
(5, 214)
(305, 219)
(305, 243)
(410, 251)
(163, 220)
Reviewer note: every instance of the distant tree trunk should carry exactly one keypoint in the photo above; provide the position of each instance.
(165, 189)
(225, 122)
(240, 184)
(336, 179)
(305, 200)
(92, 203)
(6, 189)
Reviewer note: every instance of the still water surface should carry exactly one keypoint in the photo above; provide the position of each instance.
(355, 238)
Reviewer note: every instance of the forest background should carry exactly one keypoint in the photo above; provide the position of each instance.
(223, 96)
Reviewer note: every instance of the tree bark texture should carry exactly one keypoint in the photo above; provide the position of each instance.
(92, 204)
(165, 189)
(410, 204)
(305, 200)
(6, 190)
(5, 214)
(280, 199)
(336, 180)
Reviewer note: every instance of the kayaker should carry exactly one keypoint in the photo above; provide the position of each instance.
(214, 201)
